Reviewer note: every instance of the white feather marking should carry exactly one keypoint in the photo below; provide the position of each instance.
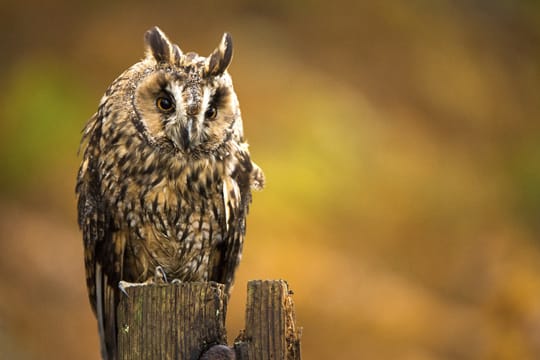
(206, 103)
(230, 187)
(226, 204)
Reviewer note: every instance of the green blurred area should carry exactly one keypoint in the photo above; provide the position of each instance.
(401, 146)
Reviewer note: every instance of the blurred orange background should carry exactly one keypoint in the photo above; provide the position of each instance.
(401, 146)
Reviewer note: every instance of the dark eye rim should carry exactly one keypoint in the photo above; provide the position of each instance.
(165, 103)
(211, 112)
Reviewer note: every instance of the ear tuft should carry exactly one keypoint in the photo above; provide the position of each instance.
(177, 54)
(221, 57)
(158, 45)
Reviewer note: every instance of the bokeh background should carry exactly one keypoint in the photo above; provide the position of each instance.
(401, 145)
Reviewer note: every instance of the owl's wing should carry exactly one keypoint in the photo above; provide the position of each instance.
(103, 249)
(236, 200)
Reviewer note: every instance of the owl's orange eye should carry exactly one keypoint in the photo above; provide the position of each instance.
(165, 104)
(211, 112)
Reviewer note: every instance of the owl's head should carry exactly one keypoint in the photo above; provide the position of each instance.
(183, 101)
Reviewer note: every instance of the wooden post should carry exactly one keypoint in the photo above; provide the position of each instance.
(187, 321)
(172, 321)
(271, 331)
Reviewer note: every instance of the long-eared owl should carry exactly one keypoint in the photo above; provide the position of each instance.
(166, 177)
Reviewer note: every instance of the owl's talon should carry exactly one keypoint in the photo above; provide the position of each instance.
(160, 276)
(176, 281)
(123, 285)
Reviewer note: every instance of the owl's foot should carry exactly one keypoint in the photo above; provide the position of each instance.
(159, 278)
(123, 285)
(176, 281)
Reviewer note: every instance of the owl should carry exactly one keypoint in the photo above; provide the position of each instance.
(166, 177)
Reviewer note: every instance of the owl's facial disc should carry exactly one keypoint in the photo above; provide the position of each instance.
(204, 116)
(195, 117)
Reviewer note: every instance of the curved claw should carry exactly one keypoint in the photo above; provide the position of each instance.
(123, 285)
(159, 275)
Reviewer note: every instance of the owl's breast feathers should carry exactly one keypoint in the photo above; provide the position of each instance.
(171, 210)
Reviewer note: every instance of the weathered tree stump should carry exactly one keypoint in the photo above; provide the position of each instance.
(271, 331)
(187, 321)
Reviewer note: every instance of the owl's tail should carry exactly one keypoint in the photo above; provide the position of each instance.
(106, 302)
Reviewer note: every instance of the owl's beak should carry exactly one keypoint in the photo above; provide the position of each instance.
(189, 133)
(185, 133)
(191, 109)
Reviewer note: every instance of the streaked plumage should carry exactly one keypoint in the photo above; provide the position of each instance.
(166, 176)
